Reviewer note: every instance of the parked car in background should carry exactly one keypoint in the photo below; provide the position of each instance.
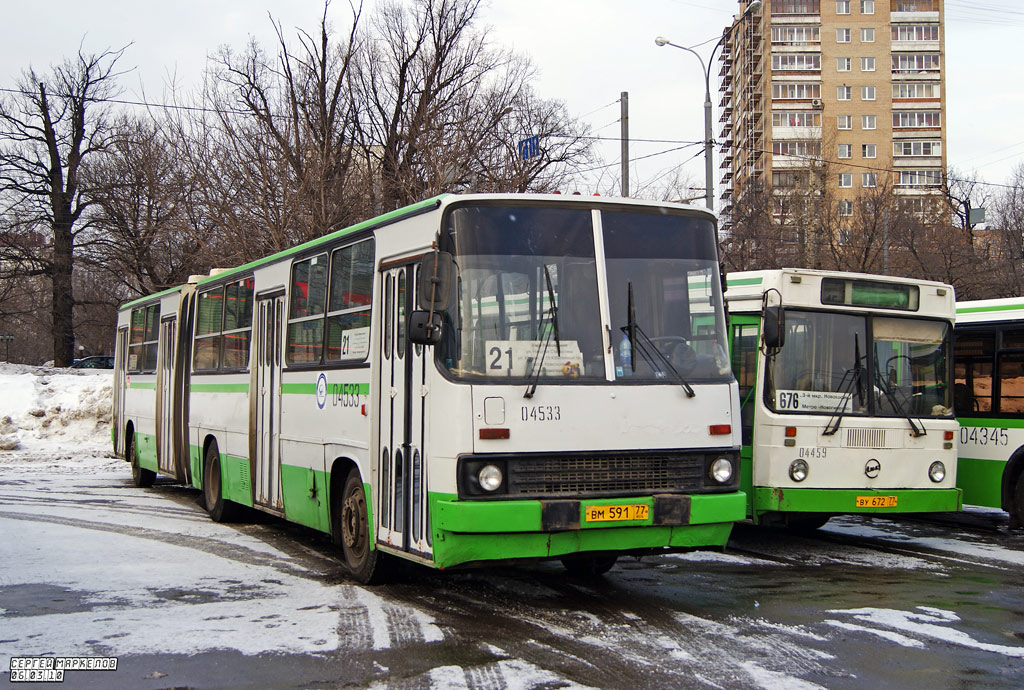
(94, 362)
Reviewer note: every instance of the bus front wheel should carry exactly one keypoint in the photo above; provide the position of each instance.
(1017, 509)
(351, 529)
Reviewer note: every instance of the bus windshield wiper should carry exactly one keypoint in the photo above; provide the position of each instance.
(890, 395)
(642, 344)
(542, 349)
(855, 384)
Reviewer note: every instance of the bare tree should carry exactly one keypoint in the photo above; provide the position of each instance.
(50, 128)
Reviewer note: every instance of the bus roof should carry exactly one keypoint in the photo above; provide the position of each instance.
(802, 287)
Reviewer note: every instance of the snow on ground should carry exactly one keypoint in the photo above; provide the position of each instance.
(68, 513)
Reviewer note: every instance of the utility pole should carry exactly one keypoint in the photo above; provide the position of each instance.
(624, 122)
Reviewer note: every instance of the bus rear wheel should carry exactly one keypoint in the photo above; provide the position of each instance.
(588, 565)
(220, 509)
(351, 530)
(140, 475)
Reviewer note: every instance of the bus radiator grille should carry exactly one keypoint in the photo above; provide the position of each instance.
(588, 475)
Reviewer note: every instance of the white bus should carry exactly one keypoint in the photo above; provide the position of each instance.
(845, 394)
(468, 379)
(989, 399)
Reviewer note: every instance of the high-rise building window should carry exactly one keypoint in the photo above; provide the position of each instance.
(844, 122)
(867, 93)
(844, 151)
(919, 178)
(867, 6)
(844, 93)
(795, 118)
(868, 122)
(915, 90)
(795, 35)
(796, 62)
(915, 62)
(867, 35)
(795, 91)
(910, 119)
(867, 151)
(869, 179)
(842, 6)
(846, 208)
(916, 148)
(796, 7)
(845, 179)
(842, 35)
(843, 64)
(867, 64)
(915, 32)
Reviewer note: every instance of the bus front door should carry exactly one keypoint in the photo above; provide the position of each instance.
(402, 517)
(265, 403)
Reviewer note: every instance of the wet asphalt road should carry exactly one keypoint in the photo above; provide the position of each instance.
(928, 603)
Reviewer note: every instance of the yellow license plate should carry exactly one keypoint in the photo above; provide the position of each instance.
(876, 501)
(632, 511)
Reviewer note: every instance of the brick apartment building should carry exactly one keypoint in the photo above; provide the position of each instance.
(857, 83)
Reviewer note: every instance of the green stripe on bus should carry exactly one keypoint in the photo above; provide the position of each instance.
(743, 281)
(143, 385)
(332, 388)
(994, 422)
(219, 387)
(978, 310)
(844, 500)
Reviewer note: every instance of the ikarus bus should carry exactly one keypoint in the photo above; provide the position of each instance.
(989, 400)
(846, 396)
(469, 379)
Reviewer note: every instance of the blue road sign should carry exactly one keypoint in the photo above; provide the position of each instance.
(528, 148)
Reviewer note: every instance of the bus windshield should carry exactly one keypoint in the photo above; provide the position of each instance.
(831, 364)
(529, 302)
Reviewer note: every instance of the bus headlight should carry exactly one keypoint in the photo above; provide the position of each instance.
(721, 470)
(937, 472)
(798, 470)
(489, 477)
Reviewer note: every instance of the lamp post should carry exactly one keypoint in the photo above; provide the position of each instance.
(709, 183)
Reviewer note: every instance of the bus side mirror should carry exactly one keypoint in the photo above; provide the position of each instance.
(435, 281)
(774, 328)
(425, 328)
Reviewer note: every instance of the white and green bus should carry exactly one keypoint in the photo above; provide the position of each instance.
(469, 379)
(989, 400)
(845, 394)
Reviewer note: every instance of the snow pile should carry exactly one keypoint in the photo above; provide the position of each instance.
(44, 409)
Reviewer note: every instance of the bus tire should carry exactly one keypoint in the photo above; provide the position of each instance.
(588, 565)
(1017, 509)
(350, 527)
(219, 508)
(142, 477)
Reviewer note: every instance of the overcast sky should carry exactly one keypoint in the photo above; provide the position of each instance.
(586, 51)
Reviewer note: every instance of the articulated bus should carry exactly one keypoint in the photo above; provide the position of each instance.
(988, 393)
(845, 395)
(470, 379)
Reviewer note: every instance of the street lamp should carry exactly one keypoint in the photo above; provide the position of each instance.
(708, 138)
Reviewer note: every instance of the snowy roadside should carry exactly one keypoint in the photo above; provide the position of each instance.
(55, 419)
